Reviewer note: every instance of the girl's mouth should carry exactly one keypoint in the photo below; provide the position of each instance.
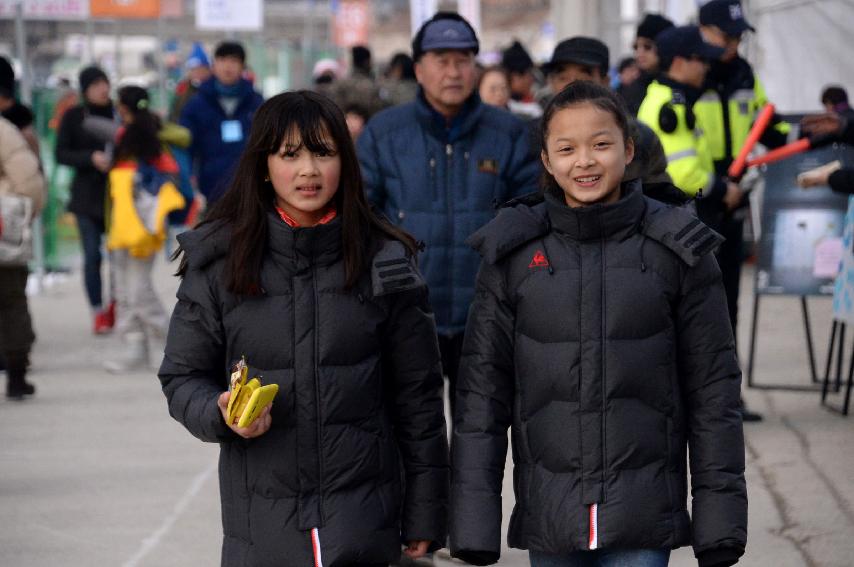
(588, 180)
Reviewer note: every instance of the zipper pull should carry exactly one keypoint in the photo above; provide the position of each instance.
(449, 150)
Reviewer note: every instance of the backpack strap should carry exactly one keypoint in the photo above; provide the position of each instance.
(393, 270)
(681, 232)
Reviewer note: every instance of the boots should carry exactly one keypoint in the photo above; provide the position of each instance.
(135, 356)
(17, 387)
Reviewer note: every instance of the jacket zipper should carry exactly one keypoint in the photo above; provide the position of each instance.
(594, 508)
(593, 537)
(315, 547)
(317, 392)
(449, 152)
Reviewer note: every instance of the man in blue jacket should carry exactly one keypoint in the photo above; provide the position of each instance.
(439, 165)
(219, 117)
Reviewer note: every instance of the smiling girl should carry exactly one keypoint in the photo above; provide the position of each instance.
(599, 333)
(293, 270)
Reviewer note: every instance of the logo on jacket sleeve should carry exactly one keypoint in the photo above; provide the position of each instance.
(539, 260)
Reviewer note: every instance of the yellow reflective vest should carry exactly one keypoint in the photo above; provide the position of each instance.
(728, 115)
(689, 162)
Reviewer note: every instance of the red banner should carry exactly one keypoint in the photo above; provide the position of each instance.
(352, 23)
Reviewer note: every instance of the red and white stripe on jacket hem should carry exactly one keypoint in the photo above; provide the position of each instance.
(594, 527)
(315, 546)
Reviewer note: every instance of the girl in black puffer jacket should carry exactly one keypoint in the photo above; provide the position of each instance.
(292, 270)
(599, 332)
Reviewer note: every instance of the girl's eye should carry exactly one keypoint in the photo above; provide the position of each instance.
(565, 149)
(602, 144)
(325, 154)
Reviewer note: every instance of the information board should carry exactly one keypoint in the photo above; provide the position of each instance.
(802, 229)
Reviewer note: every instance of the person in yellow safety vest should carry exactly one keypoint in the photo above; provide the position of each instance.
(667, 109)
(732, 98)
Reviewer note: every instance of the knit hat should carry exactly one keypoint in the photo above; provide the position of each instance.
(7, 78)
(580, 50)
(91, 75)
(197, 57)
(516, 59)
(652, 25)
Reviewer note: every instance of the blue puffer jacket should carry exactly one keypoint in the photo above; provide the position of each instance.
(442, 184)
(203, 116)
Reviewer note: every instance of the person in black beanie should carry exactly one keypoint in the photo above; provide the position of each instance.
(90, 158)
(646, 56)
(520, 67)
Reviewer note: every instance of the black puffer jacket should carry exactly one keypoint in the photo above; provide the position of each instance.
(601, 335)
(359, 402)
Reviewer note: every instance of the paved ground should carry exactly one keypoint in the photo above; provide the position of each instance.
(94, 472)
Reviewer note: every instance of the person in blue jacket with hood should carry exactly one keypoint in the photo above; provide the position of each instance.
(440, 165)
(219, 117)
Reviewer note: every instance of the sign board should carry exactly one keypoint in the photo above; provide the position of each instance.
(802, 230)
(171, 8)
(843, 292)
(352, 23)
(125, 9)
(47, 9)
(230, 15)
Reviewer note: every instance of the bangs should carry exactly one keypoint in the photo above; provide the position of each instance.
(302, 125)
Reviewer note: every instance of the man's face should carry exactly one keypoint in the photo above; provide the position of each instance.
(448, 79)
(227, 70)
(98, 93)
(199, 74)
(568, 73)
(716, 36)
(695, 69)
(646, 54)
(629, 75)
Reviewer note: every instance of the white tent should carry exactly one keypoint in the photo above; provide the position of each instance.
(799, 47)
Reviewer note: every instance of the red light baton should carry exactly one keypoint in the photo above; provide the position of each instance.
(736, 168)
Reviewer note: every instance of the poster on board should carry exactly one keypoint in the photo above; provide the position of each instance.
(802, 230)
(47, 9)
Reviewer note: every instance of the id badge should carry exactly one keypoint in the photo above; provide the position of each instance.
(232, 131)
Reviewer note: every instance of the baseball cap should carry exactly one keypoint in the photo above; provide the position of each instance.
(728, 15)
(579, 50)
(686, 41)
(445, 30)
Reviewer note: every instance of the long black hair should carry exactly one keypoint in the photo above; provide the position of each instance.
(140, 140)
(314, 120)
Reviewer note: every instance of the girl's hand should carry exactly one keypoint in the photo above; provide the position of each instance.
(416, 549)
(259, 426)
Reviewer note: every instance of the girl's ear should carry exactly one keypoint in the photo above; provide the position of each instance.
(545, 158)
(630, 150)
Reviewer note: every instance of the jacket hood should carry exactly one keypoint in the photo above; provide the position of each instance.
(517, 222)
(320, 244)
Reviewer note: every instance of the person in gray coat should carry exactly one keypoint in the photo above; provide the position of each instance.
(293, 270)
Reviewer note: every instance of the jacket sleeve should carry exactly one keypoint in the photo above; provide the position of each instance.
(192, 373)
(188, 120)
(414, 380)
(20, 166)
(369, 160)
(842, 180)
(524, 169)
(711, 385)
(66, 153)
(484, 412)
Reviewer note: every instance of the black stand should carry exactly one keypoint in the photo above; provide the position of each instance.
(815, 384)
(825, 387)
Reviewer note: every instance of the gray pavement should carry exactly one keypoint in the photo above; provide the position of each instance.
(93, 471)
